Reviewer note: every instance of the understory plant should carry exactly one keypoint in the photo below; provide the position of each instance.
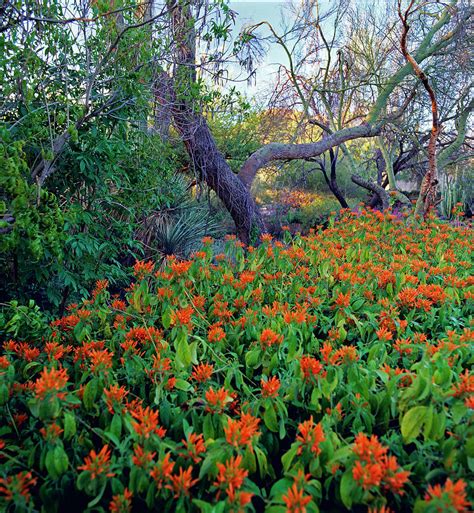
(330, 372)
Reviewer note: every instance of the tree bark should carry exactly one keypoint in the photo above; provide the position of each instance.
(375, 188)
(208, 162)
(212, 168)
(429, 185)
(279, 151)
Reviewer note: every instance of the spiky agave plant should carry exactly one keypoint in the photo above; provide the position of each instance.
(178, 227)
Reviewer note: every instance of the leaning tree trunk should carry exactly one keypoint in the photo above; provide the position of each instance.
(212, 168)
(207, 161)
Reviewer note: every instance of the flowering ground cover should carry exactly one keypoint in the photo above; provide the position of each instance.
(323, 373)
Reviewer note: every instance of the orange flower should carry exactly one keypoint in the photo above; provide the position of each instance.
(394, 478)
(369, 474)
(194, 446)
(380, 509)
(215, 333)
(147, 422)
(270, 387)
(217, 399)
(242, 432)
(202, 372)
(310, 367)
(56, 351)
(114, 397)
(51, 381)
(142, 269)
(451, 496)
(98, 464)
(100, 286)
(183, 317)
(230, 475)
(269, 338)
(52, 432)
(182, 482)
(295, 500)
(344, 354)
(162, 471)
(238, 500)
(14, 487)
(141, 457)
(121, 503)
(101, 360)
(368, 449)
(384, 334)
(310, 437)
(179, 268)
(342, 300)
(465, 386)
(374, 467)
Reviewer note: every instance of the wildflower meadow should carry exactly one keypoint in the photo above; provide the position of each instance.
(323, 373)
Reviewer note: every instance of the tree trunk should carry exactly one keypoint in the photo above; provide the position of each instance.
(208, 162)
(212, 168)
(429, 186)
(375, 188)
(333, 185)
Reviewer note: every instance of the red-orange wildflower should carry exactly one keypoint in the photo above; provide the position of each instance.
(310, 367)
(216, 333)
(230, 475)
(182, 482)
(202, 372)
(121, 503)
(269, 338)
(240, 433)
(51, 432)
(147, 422)
(14, 487)
(217, 399)
(310, 436)
(141, 457)
(344, 354)
(295, 500)
(100, 360)
(450, 496)
(51, 381)
(142, 269)
(114, 397)
(375, 468)
(194, 445)
(342, 300)
(270, 387)
(161, 472)
(98, 464)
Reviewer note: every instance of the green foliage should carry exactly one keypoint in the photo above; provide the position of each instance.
(178, 226)
(332, 371)
(35, 229)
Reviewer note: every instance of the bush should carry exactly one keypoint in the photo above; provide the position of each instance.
(323, 373)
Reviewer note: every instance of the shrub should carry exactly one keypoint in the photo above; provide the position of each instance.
(322, 373)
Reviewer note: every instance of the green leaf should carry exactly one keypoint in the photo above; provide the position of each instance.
(69, 425)
(90, 393)
(413, 421)
(288, 457)
(347, 488)
(270, 419)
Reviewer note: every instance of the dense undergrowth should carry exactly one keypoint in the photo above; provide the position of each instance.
(321, 373)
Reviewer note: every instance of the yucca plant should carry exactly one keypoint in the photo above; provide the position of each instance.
(178, 227)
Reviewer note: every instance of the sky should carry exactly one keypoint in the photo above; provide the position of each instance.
(251, 13)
